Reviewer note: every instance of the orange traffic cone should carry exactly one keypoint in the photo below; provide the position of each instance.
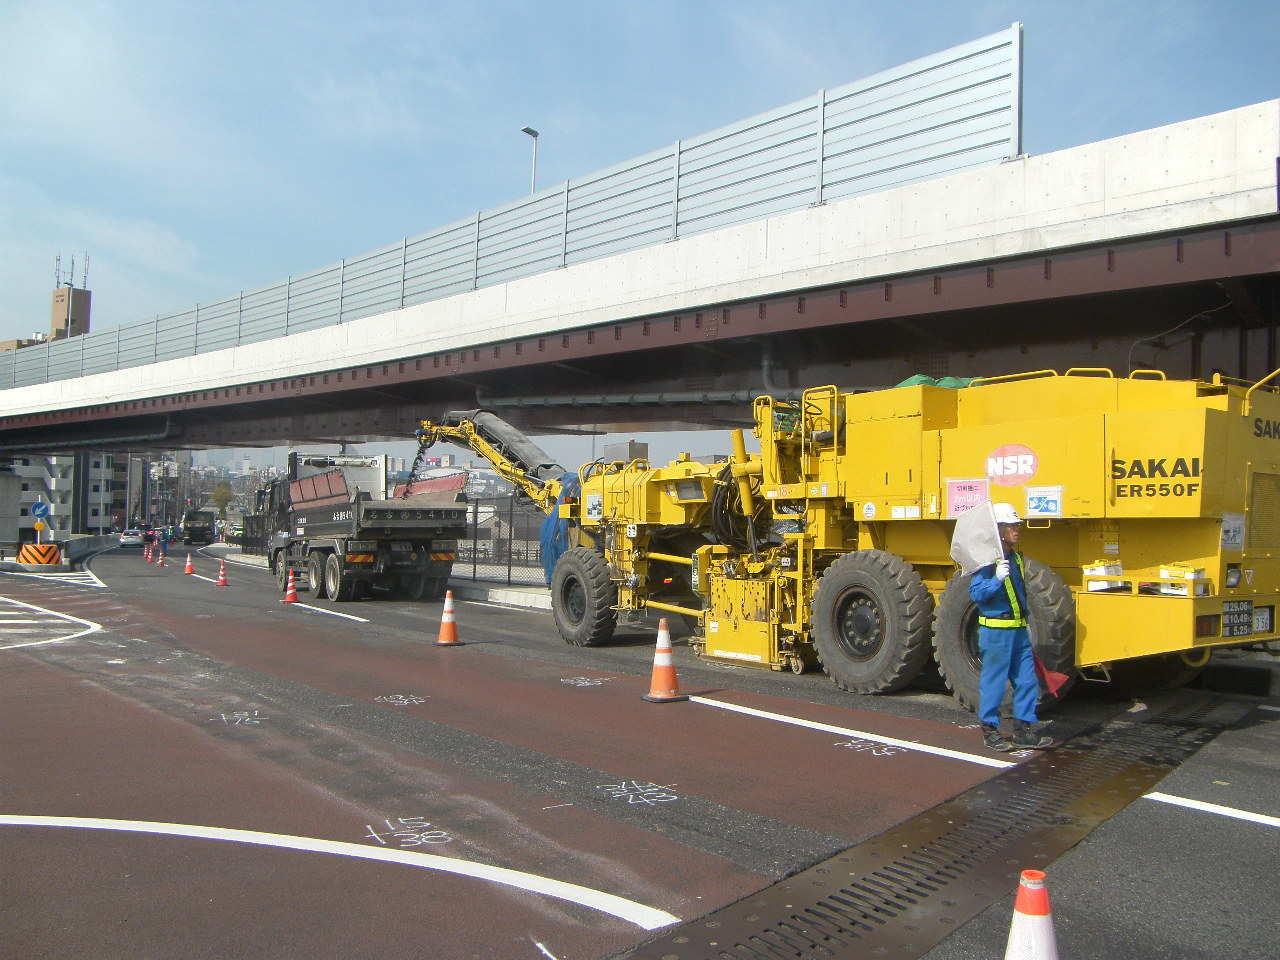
(291, 591)
(146, 552)
(448, 625)
(222, 574)
(664, 688)
(160, 558)
(1031, 933)
(188, 568)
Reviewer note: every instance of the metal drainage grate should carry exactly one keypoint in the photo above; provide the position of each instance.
(902, 892)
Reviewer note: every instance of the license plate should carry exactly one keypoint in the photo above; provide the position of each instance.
(1237, 618)
(1262, 620)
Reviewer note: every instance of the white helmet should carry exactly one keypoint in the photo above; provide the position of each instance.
(1006, 514)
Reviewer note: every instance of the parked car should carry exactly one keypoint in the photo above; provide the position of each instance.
(131, 538)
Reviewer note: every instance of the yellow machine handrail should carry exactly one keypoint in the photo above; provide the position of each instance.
(1005, 377)
(1102, 373)
(1248, 395)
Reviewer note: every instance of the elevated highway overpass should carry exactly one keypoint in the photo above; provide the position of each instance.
(1160, 249)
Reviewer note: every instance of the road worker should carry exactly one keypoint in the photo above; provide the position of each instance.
(999, 589)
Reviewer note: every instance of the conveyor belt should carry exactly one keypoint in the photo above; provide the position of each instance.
(900, 893)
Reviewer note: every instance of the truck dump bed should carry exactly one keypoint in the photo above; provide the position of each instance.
(325, 506)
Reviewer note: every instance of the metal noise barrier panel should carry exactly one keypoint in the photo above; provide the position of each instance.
(955, 110)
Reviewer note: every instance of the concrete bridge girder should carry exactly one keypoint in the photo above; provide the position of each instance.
(1211, 292)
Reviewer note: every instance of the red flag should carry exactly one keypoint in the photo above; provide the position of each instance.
(1051, 678)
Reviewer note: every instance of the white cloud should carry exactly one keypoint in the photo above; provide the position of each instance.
(138, 267)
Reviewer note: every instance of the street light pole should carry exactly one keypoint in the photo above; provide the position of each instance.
(533, 180)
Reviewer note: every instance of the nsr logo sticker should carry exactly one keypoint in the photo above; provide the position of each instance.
(1012, 465)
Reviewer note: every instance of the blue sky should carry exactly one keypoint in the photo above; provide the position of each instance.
(196, 148)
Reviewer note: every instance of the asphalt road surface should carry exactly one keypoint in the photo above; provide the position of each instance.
(201, 771)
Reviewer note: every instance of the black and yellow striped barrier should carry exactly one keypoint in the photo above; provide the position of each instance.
(40, 553)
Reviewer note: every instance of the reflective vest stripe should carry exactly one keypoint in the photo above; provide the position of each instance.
(1018, 619)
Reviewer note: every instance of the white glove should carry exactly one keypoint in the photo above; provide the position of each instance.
(1002, 570)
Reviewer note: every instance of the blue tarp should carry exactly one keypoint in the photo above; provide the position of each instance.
(555, 530)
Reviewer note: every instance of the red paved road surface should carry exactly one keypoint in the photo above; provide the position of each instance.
(196, 707)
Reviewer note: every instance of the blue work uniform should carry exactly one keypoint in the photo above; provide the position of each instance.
(1005, 643)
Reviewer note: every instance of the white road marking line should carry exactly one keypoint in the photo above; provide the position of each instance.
(1267, 706)
(1221, 811)
(647, 918)
(332, 613)
(94, 577)
(84, 578)
(90, 626)
(860, 734)
(305, 606)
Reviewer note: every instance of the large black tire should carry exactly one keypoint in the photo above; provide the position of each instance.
(871, 614)
(1051, 621)
(315, 574)
(583, 598)
(426, 588)
(337, 585)
(282, 570)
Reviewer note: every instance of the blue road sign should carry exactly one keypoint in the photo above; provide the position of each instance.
(40, 509)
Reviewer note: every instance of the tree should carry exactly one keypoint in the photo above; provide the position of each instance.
(221, 496)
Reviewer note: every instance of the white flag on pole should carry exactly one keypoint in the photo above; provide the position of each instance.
(976, 541)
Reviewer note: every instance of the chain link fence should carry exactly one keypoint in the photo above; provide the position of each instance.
(503, 542)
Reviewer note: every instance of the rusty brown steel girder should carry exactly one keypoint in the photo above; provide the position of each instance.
(386, 399)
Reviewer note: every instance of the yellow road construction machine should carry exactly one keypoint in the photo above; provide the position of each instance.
(1151, 506)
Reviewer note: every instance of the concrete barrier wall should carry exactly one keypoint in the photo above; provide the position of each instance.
(77, 548)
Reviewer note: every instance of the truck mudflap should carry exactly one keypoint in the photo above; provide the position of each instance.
(1120, 626)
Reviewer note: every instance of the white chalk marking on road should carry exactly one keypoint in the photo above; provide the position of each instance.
(90, 626)
(332, 613)
(1221, 811)
(647, 918)
(544, 950)
(860, 734)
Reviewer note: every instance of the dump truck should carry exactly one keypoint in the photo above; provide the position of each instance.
(197, 526)
(330, 520)
(1151, 530)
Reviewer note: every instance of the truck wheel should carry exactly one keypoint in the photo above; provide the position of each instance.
(427, 588)
(871, 622)
(1051, 621)
(315, 574)
(282, 570)
(583, 598)
(339, 587)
